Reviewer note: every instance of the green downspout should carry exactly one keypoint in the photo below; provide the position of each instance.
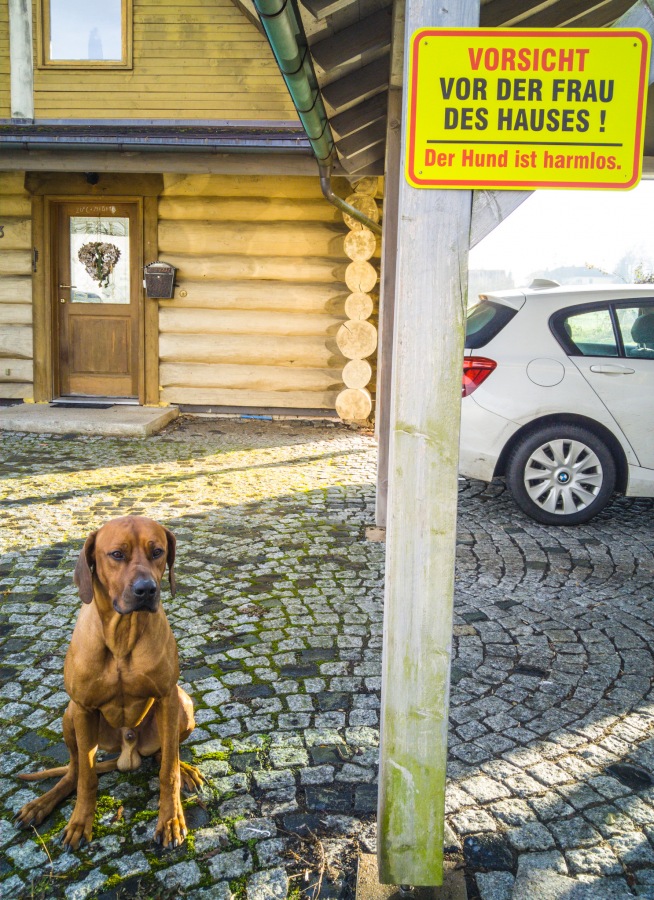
(283, 26)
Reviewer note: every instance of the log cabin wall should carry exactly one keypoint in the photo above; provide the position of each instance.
(16, 353)
(260, 292)
(192, 59)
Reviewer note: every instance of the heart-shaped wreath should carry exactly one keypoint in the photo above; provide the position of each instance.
(99, 259)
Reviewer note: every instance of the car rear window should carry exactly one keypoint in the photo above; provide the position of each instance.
(485, 320)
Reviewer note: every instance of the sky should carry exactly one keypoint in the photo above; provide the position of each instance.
(572, 228)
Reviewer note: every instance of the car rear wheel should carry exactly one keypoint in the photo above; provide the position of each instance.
(561, 474)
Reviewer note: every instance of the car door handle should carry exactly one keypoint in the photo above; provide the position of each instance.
(612, 370)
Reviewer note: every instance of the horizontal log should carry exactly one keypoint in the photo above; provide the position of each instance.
(257, 295)
(11, 183)
(359, 306)
(360, 244)
(356, 339)
(360, 276)
(366, 205)
(15, 288)
(17, 233)
(354, 404)
(15, 205)
(281, 268)
(369, 185)
(264, 399)
(17, 391)
(256, 349)
(17, 262)
(16, 341)
(16, 370)
(248, 377)
(357, 373)
(213, 321)
(15, 313)
(299, 187)
(248, 209)
(242, 239)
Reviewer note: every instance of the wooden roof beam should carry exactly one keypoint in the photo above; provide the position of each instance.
(362, 41)
(362, 139)
(320, 9)
(360, 116)
(358, 86)
(509, 12)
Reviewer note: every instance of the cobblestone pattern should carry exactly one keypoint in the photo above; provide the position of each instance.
(278, 620)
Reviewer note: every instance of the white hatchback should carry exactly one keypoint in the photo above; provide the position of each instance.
(558, 396)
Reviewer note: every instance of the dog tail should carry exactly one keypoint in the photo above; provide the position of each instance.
(107, 765)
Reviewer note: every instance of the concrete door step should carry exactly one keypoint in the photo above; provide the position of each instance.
(114, 421)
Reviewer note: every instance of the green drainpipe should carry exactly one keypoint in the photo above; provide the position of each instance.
(283, 26)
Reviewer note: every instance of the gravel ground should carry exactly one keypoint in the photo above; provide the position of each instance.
(278, 619)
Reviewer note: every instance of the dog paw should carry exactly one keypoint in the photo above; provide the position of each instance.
(190, 776)
(77, 833)
(171, 832)
(33, 813)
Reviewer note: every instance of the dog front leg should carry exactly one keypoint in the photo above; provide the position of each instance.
(171, 826)
(80, 826)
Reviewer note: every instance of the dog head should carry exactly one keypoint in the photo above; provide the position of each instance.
(128, 558)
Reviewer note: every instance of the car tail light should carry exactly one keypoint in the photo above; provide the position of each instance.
(476, 370)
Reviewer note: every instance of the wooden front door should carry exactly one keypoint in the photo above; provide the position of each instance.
(97, 291)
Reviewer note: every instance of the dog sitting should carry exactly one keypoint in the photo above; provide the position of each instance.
(121, 673)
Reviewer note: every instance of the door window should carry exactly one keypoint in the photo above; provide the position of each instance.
(99, 259)
(636, 326)
(590, 332)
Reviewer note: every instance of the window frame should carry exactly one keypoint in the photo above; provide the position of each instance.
(43, 43)
(556, 324)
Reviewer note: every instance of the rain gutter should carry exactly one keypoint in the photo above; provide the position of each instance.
(283, 26)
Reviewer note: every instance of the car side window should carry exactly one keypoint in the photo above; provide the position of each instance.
(590, 332)
(637, 331)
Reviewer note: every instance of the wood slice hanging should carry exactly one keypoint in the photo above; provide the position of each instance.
(368, 185)
(356, 339)
(359, 306)
(360, 244)
(365, 205)
(354, 404)
(360, 276)
(357, 373)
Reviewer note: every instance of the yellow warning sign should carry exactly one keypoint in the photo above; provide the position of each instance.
(522, 109)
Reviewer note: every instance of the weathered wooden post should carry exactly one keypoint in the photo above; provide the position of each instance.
(432, 258)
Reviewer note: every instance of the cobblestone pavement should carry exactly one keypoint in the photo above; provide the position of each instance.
(278, 619)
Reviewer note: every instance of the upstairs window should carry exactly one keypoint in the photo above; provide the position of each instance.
(84, 34)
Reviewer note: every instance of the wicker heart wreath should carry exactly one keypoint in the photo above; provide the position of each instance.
(99, 259)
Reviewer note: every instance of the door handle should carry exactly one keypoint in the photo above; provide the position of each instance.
(612, 370)
(73, 286)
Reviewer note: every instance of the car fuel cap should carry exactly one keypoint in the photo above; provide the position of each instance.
(545, 372)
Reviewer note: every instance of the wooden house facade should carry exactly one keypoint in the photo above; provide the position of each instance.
(165, 132)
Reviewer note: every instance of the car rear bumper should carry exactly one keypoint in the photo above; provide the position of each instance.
(481, 429)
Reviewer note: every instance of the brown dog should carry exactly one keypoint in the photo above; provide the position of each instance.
(121, 674)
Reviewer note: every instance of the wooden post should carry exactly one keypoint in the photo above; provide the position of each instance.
(21, 60)
(389, 261)
(432, 251)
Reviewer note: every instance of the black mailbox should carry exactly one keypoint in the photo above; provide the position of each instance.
(159, 280)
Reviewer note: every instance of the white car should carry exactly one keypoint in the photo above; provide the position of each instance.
(558, 396)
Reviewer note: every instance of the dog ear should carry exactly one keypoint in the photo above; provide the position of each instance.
(83, 575)
(172, 546)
